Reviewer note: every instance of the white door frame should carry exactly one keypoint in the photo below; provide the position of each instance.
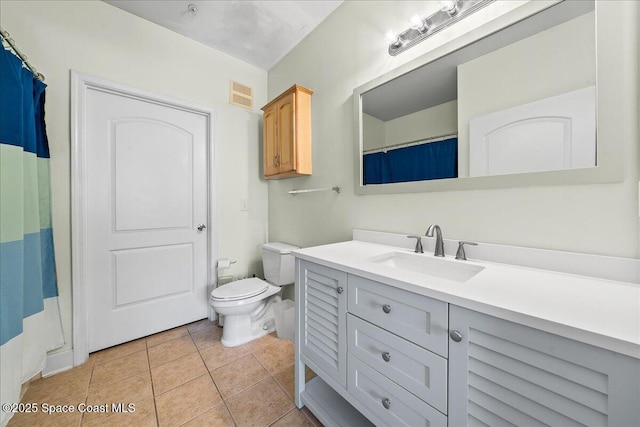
(80, 84)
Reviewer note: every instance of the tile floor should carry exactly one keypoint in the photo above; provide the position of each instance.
(183, 376)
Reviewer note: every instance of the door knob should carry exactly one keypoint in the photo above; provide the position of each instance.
(201, 227)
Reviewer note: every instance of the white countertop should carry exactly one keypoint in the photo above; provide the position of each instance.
(600, 312)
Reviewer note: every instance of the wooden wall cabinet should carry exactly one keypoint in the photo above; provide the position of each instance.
(287, 134)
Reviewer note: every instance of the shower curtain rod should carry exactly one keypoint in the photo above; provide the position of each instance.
(12, 44)
(436, 138)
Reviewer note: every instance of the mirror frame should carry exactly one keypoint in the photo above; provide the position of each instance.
(610, 87)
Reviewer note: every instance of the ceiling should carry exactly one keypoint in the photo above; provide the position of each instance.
(257, 32)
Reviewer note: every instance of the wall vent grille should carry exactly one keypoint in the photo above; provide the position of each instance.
(240, 95)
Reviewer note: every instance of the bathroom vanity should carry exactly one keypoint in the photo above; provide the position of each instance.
(399, 338)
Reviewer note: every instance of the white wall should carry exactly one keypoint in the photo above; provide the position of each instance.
(372, 132)
(346, 51)
(430, 122)
(439, 120)
(96, 38)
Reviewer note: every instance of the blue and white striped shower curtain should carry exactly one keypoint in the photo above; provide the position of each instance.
(30, 323)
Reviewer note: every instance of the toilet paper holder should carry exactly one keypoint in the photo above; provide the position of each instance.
(225, 263)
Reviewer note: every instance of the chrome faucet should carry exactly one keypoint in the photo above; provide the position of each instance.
(439, 244)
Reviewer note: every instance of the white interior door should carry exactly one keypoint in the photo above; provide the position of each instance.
(146, 172)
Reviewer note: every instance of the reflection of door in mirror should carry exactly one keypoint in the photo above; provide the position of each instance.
(554, 133)
(544, 57)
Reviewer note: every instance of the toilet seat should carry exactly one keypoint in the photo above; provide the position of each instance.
(240, 289)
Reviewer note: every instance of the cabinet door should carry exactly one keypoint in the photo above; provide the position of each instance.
(322, 316)
(270, 139)
(502, 373)
(286, 133)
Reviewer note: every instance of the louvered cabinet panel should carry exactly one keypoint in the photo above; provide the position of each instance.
(322, 310)
(504, 374)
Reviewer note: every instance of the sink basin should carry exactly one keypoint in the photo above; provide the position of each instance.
(429, 265)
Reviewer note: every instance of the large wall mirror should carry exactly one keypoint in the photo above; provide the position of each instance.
(514, 106)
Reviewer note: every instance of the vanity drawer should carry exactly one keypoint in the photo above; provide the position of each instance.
(388, 401)
(419, 319)
(419, 371)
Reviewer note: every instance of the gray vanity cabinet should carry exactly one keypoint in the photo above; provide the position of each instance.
(322, 305)
(502, 373)
(399, 358)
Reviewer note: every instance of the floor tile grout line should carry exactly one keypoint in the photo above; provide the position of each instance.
(228, 363)
(86, 396)
(306, 415)
(284, 415)
(172, 360)
(153, 388)
(222, 399)
(283, 389)
(244, 389)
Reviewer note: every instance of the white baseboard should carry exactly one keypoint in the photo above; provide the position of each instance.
(58, 362)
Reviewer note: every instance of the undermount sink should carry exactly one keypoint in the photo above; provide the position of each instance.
(429, 265)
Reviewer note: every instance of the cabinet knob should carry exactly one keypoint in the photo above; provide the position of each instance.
(456, 336)
(386, 356)
(340, 289)
(386, 308)
(386, 402)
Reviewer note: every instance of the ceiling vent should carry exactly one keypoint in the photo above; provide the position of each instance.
(240, 95)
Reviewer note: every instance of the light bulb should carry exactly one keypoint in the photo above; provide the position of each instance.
(449, 6)
(393, 38)
(417, 23)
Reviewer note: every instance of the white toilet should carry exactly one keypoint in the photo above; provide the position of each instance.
(247, 305)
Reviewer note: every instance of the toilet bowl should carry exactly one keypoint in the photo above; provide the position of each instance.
(247, 305)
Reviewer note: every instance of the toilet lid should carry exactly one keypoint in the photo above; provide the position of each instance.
(240, 289)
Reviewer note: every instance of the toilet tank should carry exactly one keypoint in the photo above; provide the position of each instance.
(278, 263)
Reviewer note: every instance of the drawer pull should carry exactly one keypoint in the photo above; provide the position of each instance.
(386, 308)
(386, 403)
(456, 336)
(340, 289)
(386, 356)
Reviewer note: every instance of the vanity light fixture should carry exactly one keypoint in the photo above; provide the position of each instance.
(451, 12)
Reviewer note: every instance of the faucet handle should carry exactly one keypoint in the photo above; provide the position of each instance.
(418, 248)
(460, 254)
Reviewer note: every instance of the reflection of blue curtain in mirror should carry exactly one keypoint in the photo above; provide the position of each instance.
(433, 160)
